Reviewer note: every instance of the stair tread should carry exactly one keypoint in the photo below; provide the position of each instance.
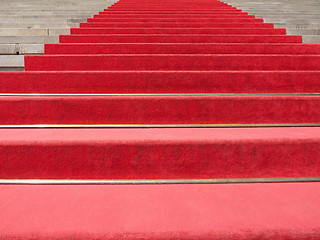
(233, 211)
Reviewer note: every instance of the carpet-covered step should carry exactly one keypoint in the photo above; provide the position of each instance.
(196, 62)
(225, 211)
(171, 11)
(170, 4)
(235, 12)
(175, 25)
(178, 38)
(151, 5)
(160, 109)
(193, 5)
(173, 8)
(148, 7)
(181, 48)
(183, 16)
(163, 153)
(177, 20)
(161, 82)
(218, 31)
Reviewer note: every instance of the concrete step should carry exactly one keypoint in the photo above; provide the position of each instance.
(297, 26)
(311, 31)
(37, 16)
(33, 8)
(80, 2)
(32, 31)
(47, 12)
(29, 39)
(288, 16)
(292, 21)
(21, 49)
(38, 25)
(42, 20)
(11, 62)
(311, 38)
(275, 6)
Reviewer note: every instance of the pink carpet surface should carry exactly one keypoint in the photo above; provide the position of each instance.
(226, 211)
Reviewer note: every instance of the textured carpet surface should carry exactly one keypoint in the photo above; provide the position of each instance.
(160, 82)
(160, 153)
(233, 211)
(166, 55)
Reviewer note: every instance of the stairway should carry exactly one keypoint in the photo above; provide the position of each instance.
(163, 120)
(25, 25)
(298, 17)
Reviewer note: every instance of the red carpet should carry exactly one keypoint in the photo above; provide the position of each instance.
(160, 153)
(161, 82)
(217, 212)
(221, 31)
(172, 91)
(181, 48)
(160, 109)
(171, 62)
(176, 38)
(174, 25)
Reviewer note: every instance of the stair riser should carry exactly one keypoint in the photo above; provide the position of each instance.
(171, 62)
(160, 82)
(170, 5)
(177, 13)
(177, 20)
(178, 25)
(278, 31)
(172, 38)
(103, 158)
(160, 110)
(182, 16)
(157, 48)
(172, 11)
(170, 8)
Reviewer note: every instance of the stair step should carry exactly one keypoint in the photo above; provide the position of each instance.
(28, 39)
(239, 211)
(174, 15)
(160, 109)
(175, 153)
(161, 82)
(218, 31)
(176, 25)
(171, 9)
(197, 62)
(176, 20)
(181, 48)
(178, 38)
(20, 49)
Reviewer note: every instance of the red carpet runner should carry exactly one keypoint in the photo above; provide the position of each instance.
(171, 91)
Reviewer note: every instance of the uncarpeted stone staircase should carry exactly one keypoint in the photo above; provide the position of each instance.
(163, 120)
